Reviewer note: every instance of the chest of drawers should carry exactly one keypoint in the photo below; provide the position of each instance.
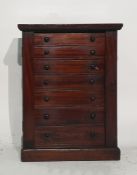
(69, 92)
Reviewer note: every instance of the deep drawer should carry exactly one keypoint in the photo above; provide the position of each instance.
(68, 52)
(70, 137)
(68, 66)
(68, 116)
(58, 39)
(57, 98)
(89, 82)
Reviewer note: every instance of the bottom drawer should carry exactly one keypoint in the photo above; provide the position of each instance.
(69, 136)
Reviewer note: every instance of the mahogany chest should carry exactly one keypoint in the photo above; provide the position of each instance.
(69, 92)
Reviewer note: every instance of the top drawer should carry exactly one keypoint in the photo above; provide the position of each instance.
(58, 39)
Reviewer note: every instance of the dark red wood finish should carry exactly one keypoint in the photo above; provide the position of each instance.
(68, 116)
(57, 98)
(70, 154)
(65, 39)
(68, 66)
(69, 137)
(69, 92)
(28, 119)
(87, 81)
(68, 51)
(111, 89)
(70, 28)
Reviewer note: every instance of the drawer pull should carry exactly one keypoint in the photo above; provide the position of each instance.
(46, 52)
(92, 81)
(45, 82)
(46, 98)
(92, 134)
(93, 115)
(46, 116)
(93, 98)
(92, 52)
(46, 67)
(92, 38)
(94, 67)
(46, 39)
(46, 135)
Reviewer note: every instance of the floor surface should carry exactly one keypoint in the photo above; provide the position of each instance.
(10, 164)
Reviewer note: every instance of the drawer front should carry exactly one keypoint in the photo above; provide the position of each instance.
(68, 52)
(68, 116)
(68, 98)
(57, 39)
(68, 66)
(90, 82)
(69, 137)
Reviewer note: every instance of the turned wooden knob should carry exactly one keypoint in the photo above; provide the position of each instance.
(92, 38)
(46, 39)
(46, 98)
(93, 115)
(46, 67)
(46, 116)
(92, 52)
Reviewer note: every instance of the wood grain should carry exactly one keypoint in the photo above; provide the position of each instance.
(68, 66)
(59, 39)
(57, 98)
(85, 82)
(69, 116)
(69, 136)
(28, 129)
(68, 51)
(111, 89)
(69, 28)
(70, 154)
(70, 92)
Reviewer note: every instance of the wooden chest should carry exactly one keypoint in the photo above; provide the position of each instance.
(70, 92)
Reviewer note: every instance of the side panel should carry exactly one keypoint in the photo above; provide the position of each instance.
(111, 88)
(28, 121)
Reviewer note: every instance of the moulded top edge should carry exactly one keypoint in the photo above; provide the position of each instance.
(69, 27)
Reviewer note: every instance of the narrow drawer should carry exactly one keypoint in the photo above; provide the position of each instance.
(57, 39)
(57, 98)
(68, 66)
(68, 52)
(69, 137)
(68, 116)
(89, 82)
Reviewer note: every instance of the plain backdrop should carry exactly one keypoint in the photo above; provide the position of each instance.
(66, 11)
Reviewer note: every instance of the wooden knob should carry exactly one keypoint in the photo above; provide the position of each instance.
(46, 52)
(93, 98)
(46, 135)
(46, 39)
(93, 115)
(92, 38)
(92, 52)
(93, 66)
(45, 82)
(46, 67)
(46, 116)
(92, 81)
(46, 98)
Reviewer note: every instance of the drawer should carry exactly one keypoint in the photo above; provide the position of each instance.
(57, 98)
(68, 66)
(69, 137)
(58, 39)
(68, 52)
(68, 116)
(90, 82)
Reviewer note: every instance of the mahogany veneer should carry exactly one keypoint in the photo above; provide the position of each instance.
(69, 92)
